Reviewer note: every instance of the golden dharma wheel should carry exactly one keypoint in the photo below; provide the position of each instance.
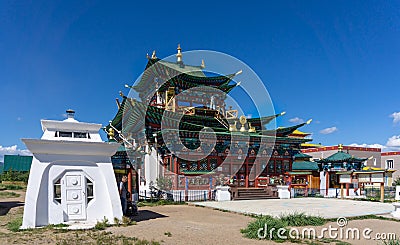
(242, 119)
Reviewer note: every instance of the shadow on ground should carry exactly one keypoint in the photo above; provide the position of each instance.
(147, 215)
(6, 206)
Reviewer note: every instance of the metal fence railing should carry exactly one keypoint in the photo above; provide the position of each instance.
(375, 192)
(176, 195)
(367, 192)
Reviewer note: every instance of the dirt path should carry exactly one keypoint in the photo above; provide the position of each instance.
(182, 224)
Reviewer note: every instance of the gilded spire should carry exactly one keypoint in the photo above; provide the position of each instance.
(340, 147)
(179, 54)
(203, 65)
(153, 56)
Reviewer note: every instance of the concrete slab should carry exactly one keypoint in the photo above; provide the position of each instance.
(324, 207)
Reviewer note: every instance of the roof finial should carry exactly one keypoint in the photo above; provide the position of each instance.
(70, 113)
(153, 56)
(203, 65)
(179, 54)
(340, 147)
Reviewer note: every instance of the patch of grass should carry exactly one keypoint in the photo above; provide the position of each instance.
(301, 219)
(11, 187)
(103, 238)
(168, 234)
(102, 225)
(117, 222)
(392, 242)
(53, 226)
(127, 221)
(7, 194)
(150, 203)
(266, 223)
(369, 216)
(14, 225)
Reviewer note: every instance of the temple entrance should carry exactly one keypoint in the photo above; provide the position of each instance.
(73, 188)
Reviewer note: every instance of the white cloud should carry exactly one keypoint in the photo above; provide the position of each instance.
(393, 141)
(369, 145)
(328, 130)
(12, 150)
(396, 117)
(296, 120)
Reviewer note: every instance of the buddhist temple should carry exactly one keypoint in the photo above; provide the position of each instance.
(180, 128)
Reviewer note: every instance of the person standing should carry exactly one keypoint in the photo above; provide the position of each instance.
(123, 194)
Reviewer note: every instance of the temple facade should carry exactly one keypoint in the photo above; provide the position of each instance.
(180, 129)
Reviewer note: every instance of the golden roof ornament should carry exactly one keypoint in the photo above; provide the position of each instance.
(232, 127)
(153, 56)
(110, 133)
(340, 147)
(251, 129)
(179, 54)
(203, 65)
(242, 121)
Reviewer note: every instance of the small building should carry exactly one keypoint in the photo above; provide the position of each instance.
(304, 177)
(333, 166)
(391, 161)
(17, 163)
(71, 178)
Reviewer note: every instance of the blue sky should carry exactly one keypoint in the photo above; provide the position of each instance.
(335, 62)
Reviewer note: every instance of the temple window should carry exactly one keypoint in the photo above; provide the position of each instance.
(57, 191)
(80, 135)
(89, 190)
(389, 164)
(286, 165)
(278, 167)
(65, 134)
(213, 163)
(271, 168)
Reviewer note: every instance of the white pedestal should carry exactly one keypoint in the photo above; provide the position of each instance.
(283, 192)
(396, 212)
(397, 197)
(222, 194)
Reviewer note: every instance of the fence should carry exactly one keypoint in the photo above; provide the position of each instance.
(375, 192)
(176, 195)
(302, 192)
(368, 192)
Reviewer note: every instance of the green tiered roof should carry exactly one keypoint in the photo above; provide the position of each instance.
(340, 157)
(304, 165)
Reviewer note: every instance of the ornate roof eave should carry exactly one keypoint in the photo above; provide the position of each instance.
(288, 130)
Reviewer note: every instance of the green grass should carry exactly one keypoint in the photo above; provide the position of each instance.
(369, 216)
(150, 203)
(102, 225)
(168, 234)
(301, 219)
(103, 238)
(392, 242)
(11, 187)
(7, 194)
(251, 231)
(14, 225)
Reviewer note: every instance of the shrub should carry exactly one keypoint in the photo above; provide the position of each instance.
(14, 176)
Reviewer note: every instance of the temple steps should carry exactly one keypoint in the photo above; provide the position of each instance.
(253, 194)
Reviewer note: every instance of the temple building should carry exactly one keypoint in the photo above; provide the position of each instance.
(180, 129)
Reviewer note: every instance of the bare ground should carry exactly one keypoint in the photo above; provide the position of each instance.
(171, 224)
